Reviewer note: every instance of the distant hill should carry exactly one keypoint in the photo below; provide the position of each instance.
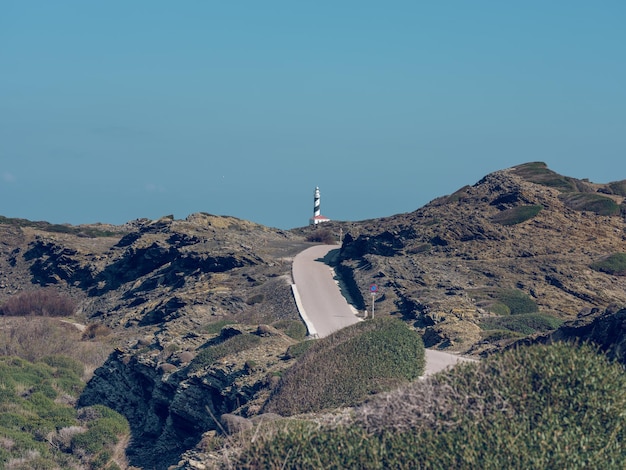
(203, 314)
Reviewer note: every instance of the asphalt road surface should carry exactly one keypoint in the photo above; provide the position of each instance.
(325, 310)
(324, 306)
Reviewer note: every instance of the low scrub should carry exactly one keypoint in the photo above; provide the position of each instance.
(516, 215)
(591, 202)
(526, 323)
(555, 406)
(618, 187)
(614, 264)
(41, 302)
(293, 328)
(505, 301)
(39, 427)
(34, 339)
(322, 236)
(349, 366)
(539, 173)
(232, 345)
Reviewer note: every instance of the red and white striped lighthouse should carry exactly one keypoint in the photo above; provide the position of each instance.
(317, 218)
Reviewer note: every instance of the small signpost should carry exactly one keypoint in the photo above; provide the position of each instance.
(373, 290)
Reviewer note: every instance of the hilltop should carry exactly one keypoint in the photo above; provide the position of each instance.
(201, 313)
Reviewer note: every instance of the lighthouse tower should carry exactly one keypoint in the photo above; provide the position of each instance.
(317, 218)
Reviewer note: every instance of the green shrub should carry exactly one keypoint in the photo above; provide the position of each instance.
(216, 327)
(591, 202)
(614, 264)
(492, 336)
(358, 361)
(525, 323)
(556, 406)
(539, 173)
(233, 345)
(499, 300)
(293, 328)
(516, 215)
(298, 349)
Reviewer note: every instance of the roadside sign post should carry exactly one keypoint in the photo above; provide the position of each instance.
(373, 290)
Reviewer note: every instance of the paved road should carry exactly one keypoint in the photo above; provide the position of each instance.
(325, 310)
(324, 306)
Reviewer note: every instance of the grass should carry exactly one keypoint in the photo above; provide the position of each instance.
(356, 362)
(614, 264)
(516, 215)
(555, 406)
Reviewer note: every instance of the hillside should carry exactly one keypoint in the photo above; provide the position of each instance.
(201, 313)
(510, 254)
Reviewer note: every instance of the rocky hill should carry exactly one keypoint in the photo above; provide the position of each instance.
(202, 310)
(523, 243)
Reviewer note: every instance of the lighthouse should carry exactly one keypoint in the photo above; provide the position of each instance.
(317, 218)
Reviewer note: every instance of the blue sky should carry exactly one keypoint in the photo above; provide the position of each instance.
(112, 111)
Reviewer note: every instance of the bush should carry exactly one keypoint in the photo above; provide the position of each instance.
(37, 338)
(293, 328)
(539, 173)
(556, 406)
(516, 215)
(526, 324)
(614, 264)
(321, 236)
(506, 301)
(358, 361)
(591, 202)
(41, 302)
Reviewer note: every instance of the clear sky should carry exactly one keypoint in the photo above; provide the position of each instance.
(116, 110)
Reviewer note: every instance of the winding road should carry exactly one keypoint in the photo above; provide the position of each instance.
(325, 310)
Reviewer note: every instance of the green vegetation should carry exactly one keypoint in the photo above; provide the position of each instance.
(516, 215)
(216, 327)
(90, 232)
(345, 368)
(556, 406)
(232, 345)
(293, 328)
(505, 301)
(298, 349)
(539, 173)
(591, 202)
(38, 426)
(525, 323)
(614, 264)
